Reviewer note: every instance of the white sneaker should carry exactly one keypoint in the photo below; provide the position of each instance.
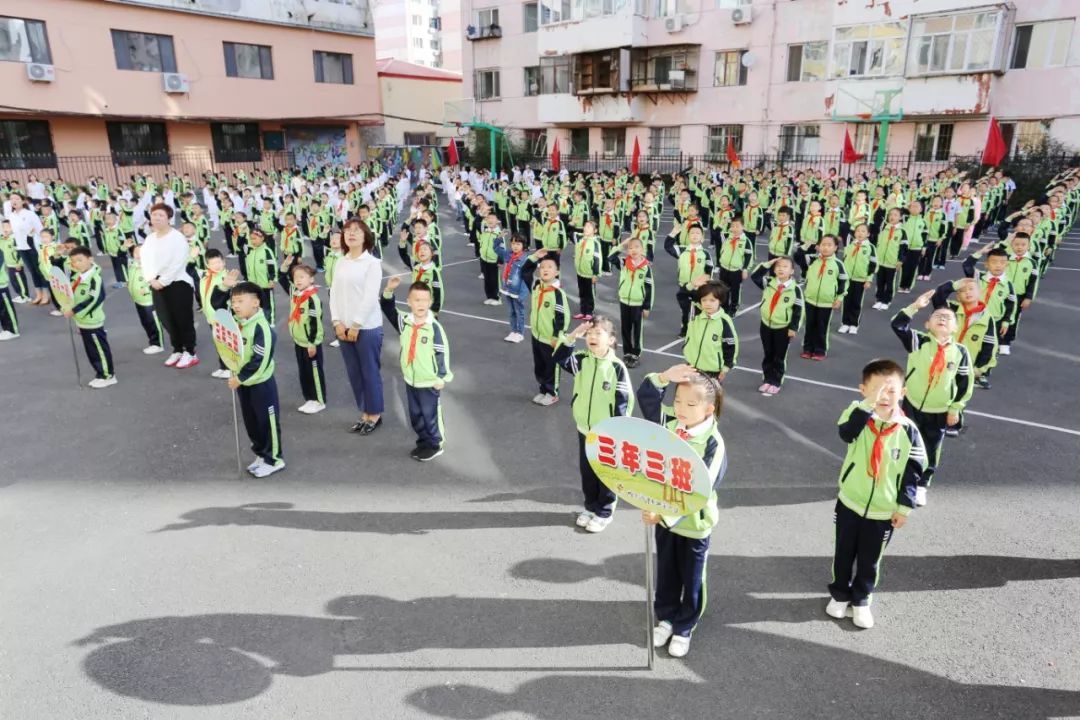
(547, 399)
(254, 464)
(98, 383)
(481, 276)
(510, 337)
(853, 330)
(7, 335)
(152, 349)
(20, 300)
(263, 470)
(837, 609)
(220, 374)
(518, 337)
(335, 343)
(56, 313)
(583, 518)
(679, 646)
(843, 329)
(598, 524)
(538, 398)
(187, 360)
(173, 359)
(920, 496)
(311, 407)
(863, 618)
(661, 634)
(1004, 350)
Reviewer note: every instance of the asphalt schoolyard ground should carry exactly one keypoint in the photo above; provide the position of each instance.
(140, 577)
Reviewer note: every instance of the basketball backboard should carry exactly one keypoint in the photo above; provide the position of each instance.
(867, 101)
(457, 112)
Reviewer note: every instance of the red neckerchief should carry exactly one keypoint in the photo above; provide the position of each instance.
(967, 319)
(776, 297)
(879, 446)
(693, 261)
(821, 268)
(581, 246)
(937, 365)
(509, 265)
(209, 280)
(544, 290)
(298, 302)
(607, 219)
(412, 342)
(994, 280)
(75, 285)
(629, 264)
(682, 434)
(419, 271)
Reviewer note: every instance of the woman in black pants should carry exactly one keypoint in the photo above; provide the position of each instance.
(164, 262)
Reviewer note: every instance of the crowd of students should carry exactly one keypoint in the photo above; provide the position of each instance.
(811, 242)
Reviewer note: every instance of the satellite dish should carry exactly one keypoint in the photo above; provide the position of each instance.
(748, 59)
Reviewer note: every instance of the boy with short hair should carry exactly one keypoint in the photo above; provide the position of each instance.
(735, 257)
(826, 283)
(254, 381)
(425, 365)
(860, 261)
(587, 267)
(549, 318)
(884, 461)
(997, 293)
(1023, 273)
(261, 265)
(692, 261)
(214, 288)
(89, 314)
(306, 329)
(975, 329)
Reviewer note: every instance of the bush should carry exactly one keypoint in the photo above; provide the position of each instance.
(478, 150)
(1032, 171)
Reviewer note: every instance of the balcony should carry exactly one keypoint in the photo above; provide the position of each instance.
(601, 73)
(483, 32)
(589, 25)
(563, 109)
(666, 69)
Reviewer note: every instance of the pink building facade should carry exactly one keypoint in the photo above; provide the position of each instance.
(682, 76)
(154, 82)
(423, 32)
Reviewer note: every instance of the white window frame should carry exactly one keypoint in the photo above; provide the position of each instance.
(865, 138)
(612, 144)
(957, 37)
(801, 135)
(1063, 26)
(491, 14)
(1015, 149)
(740, 69)
(716, 137)
(892, 48)
(933, 130)
(478, 85)
(821, 46)
(661, 136)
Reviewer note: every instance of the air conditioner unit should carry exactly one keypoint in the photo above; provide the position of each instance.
(175, 82)
(40, 72)
(742, 15)
(674, 23)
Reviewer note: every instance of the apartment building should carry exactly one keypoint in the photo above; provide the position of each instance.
(775, 76)
(151, 82)
(422, 32)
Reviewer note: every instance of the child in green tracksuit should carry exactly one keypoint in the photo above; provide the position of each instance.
(682, 542)
(601, 390)
(261, 264)
(939, 382)
(781, 317)
(860, 261)
(306, 329)
(254, 381)
(587, 266)
(975, 329)
(735, 257)
(14, 263)
(89, 314)
(884, 461)
(635, 297)
(143, 297)
(549, 318)
(9, 322)
(425, 365)
(112, 241)
(917, 235)
(712, 344)
(214, 287)
(891, 250)
(693, 261)
(826, 282)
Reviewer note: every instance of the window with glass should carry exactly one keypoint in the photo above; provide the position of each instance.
(333, 67)
(535, 141)
(579, 141)
(728, 69)
(236, 142)
(664, 68)
(1041, 45)
(664, 141)
(487, 85)
(874, 50)
(418, 43)
(419, 138)
(138, 143)
(717, 136)
(486, 17)
(24, 41)
(596, 72)
(557, 11)
(807, 62)
(613, 141)
(1024, 137)
(248, 61)
(25, 144)
(530, 17)
(417, 20)
(143, 51)
(531, 82)
(956, 43)
(799, 140)
(933, 141)
(866, 138)
(555, 75)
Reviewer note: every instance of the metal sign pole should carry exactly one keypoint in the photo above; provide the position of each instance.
(649, 594)
(74, 352)
(236, 432)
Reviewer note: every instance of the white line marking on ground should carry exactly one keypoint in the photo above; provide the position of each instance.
(446, 265)
(747, 309)
(671, 344)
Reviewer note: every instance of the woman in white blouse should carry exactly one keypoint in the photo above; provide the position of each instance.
(354, 311)
(164, 257)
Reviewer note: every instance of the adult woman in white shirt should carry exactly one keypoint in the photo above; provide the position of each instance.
(25, 227)
(164, 258)
(357, 319)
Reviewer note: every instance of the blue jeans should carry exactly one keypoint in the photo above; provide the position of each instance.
(362, 365)
(517, 313)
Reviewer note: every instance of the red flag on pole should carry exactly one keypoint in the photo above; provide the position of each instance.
(635, 159)
(555, 156)
(850, 156)
(995, 149)
(732, 156)
(451, 152)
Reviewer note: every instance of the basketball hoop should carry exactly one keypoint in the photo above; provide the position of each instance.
(865, 117)
(462, 131)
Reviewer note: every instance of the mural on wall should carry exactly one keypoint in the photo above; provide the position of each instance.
(393, 156)
(319, 146)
